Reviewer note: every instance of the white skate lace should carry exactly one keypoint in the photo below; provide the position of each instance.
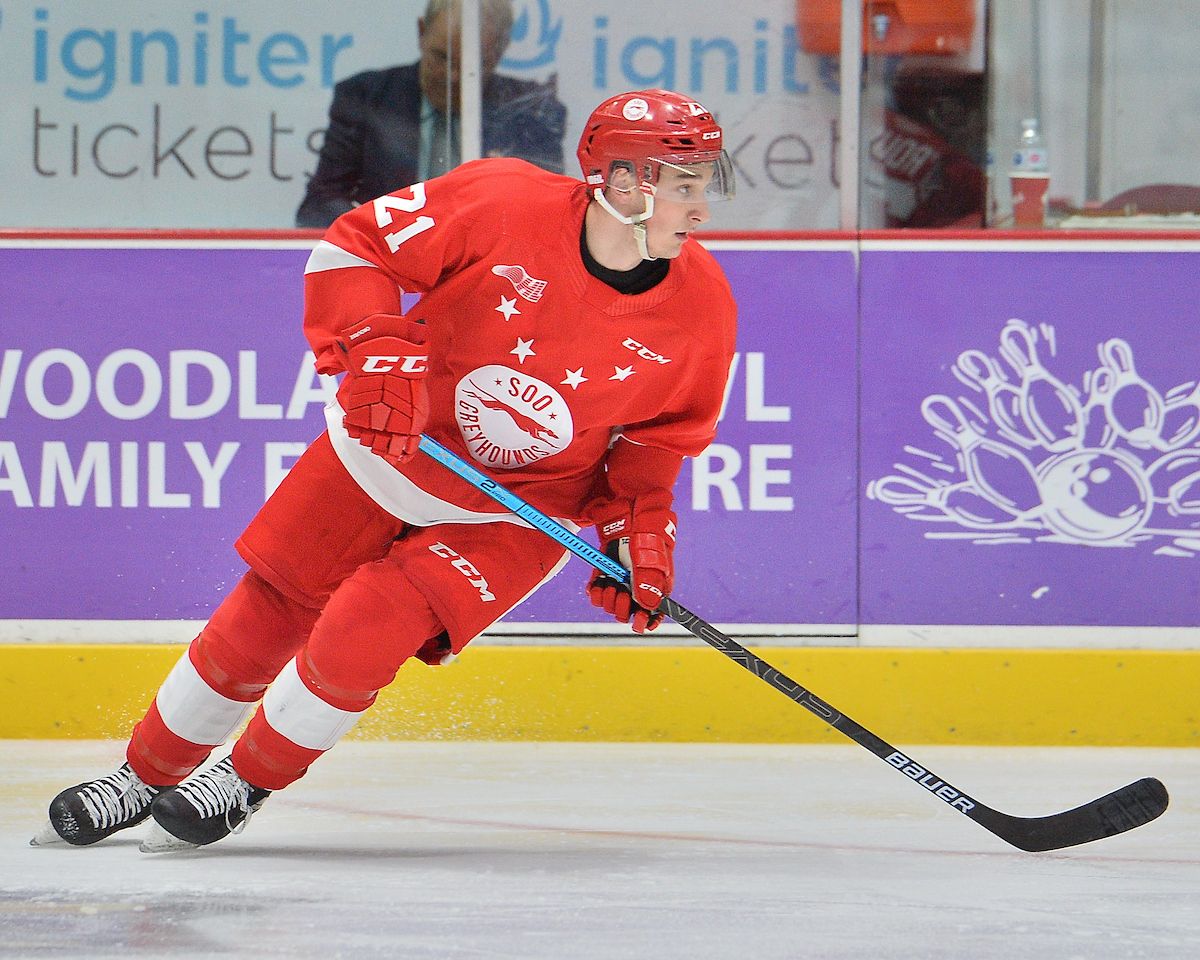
(118, 797)
(219, 792)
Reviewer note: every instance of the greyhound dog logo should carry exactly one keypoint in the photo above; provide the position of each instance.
(509, 419)
(525, 424)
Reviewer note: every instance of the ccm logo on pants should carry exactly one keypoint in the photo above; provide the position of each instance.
(466, 568)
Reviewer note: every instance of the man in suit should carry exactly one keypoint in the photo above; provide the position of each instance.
(392, 127)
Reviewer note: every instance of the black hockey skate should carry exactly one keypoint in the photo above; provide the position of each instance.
(89, 812)
(205, 808)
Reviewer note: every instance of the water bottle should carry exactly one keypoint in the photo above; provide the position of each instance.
(1030, 176)
(1030, 155)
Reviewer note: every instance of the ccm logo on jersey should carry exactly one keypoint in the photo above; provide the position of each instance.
(466, 568)
(375, 364)
(643, 351)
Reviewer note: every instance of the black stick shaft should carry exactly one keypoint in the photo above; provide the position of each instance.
(1123, 809)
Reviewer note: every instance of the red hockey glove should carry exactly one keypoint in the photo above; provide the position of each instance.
(385, 398)
(642, 540)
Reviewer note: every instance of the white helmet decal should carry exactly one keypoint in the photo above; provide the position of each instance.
(635, 109)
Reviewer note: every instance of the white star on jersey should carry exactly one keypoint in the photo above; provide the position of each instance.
(574, 378)
(622, 373)
(524, 349)
(508, 307)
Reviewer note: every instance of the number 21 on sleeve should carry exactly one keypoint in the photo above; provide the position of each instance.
(383, 216)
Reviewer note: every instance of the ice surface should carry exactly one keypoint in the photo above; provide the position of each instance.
(603, 851)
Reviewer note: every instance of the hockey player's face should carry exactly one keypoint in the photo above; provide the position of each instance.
(680, 206)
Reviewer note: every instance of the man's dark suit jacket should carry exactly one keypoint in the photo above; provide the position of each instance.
(373, 140)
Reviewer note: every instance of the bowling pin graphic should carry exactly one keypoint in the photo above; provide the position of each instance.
(976, 369)
(1049, 408)
(1133, 407)
(1098, 434)
(1175, 483)
(957, 502)
(997, 472)
(1181, 417)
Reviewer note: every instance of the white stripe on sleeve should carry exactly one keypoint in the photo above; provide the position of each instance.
(328, 256)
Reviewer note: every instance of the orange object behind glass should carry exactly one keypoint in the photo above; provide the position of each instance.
(890, 26)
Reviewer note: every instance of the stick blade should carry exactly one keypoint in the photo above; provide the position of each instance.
(1133, 805)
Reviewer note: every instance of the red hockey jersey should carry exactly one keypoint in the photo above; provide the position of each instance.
(534, 364)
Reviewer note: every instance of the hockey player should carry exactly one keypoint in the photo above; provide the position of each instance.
(570, 339)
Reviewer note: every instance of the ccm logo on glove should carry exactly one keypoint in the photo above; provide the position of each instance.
(374, 364)
(641, 539)
(384, 396)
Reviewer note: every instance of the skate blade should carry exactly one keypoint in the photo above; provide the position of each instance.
(159, 841)
(46, 836)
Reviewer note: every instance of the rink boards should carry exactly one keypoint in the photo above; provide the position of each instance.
(977, 445)
(676, 693)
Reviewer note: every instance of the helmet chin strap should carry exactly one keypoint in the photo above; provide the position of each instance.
(638, 221)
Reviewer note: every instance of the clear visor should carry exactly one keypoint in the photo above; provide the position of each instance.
(685, 178)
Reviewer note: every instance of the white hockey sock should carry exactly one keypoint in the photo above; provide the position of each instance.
(193, 710)
(300, 715)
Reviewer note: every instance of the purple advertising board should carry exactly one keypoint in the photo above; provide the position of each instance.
(947, 433)
(151, 396)
(1030, 435)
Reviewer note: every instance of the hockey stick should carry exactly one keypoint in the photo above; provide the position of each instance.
(1131, 806)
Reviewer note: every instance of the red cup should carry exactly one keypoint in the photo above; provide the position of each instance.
(1029, 198)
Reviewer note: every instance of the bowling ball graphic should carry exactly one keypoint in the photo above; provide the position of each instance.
(1094, 495)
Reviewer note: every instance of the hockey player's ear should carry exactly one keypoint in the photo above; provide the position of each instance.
(621, 177)
(623, 190)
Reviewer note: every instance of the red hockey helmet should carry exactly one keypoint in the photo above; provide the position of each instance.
(644, 129)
